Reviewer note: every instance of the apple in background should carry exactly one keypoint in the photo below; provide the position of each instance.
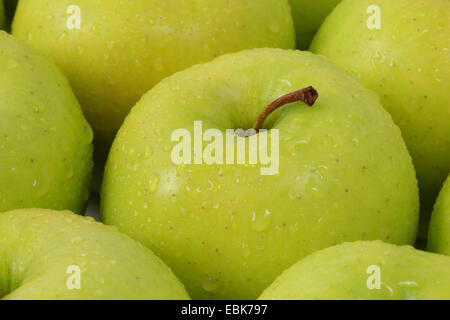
(439, 233)
(56, 255)
(227, 230)
(308, 16)
(10, 8)
(2, 15)
(349, 272)
(45, 142)
(406, 61)
(115, 51)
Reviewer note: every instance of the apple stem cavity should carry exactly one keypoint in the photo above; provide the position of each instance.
(307, 95)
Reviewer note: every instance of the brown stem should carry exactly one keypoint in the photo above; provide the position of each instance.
(307, 95)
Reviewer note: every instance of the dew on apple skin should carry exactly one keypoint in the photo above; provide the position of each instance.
(153, 183)
(148, 152)
(76, 240)
(110, 44)
(209, 285)
(245, 250)
(261, 221)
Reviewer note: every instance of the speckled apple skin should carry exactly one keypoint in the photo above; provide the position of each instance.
(45, 141)
(340, 272)
(439, 232)
(226, 230)
(407, 63)
(308, 16)
(37, 246)
(124, 48)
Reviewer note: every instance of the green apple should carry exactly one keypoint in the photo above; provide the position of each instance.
(45, 142)
(308, 16)
(2, 15)
(115, 51)
(227, 230)
(365, 271)
(400, 50)
(439, 233)
(51, 255)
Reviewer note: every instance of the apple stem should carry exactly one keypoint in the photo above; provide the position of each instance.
(307, 95)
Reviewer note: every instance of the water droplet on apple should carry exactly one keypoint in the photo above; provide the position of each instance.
(209, 285)
(153, 183)
(245, 250)
(261, 221)
(110, 44)
(76, 240)
(148, 152)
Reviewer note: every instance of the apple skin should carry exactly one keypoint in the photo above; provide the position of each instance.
(341, 272)
(308, 16)
(208, 223)
(439, 232)
(45, 141)
(406, 62)
(115, 58)
(39, 245)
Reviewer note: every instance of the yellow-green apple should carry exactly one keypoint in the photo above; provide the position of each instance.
(50, 254)
(365, 271)
(308, 16)
(400, 49)
(228, 225)
(2, 15)
(439, 232)
(115, 51)
(45, 141)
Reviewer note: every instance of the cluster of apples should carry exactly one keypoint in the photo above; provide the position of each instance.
(343, 204)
